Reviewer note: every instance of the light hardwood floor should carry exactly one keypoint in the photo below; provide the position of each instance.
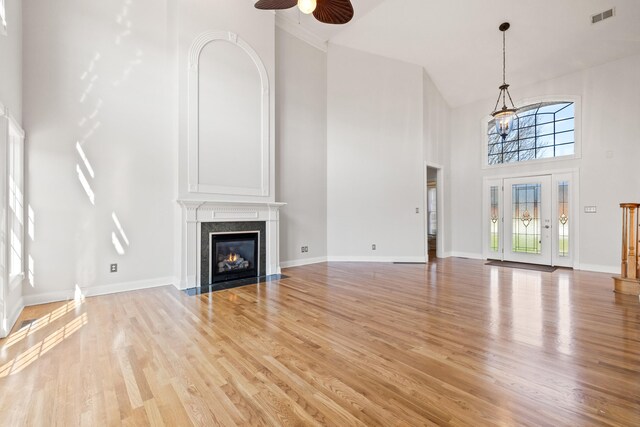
(454, 342)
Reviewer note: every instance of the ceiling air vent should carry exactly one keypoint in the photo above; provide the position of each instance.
(602, 16)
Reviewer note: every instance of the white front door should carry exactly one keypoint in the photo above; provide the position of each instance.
(528, 220)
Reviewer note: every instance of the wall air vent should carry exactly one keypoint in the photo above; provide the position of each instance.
(602, 16)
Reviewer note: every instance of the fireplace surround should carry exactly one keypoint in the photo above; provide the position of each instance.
(200, 218)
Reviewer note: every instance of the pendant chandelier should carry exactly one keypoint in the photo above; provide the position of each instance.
(504, 117)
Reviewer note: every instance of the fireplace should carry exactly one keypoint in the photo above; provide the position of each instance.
(201, 218)
(234, 256)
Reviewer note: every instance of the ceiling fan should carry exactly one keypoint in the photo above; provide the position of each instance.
(327, 11)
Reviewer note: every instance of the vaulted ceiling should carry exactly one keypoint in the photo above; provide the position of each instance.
(458, 42)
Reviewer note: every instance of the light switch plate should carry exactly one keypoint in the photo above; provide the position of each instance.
(590, 209)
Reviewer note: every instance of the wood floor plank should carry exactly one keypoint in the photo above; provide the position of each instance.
(452, 342)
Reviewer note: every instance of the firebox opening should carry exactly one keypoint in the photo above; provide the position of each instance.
(234, 256)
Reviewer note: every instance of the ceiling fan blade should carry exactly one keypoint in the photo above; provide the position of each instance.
(275, 4)
(334, 11)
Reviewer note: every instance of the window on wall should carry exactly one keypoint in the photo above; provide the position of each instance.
(494, 226)
(540, 131)
(563, 219)
(16, 200)
(3, 17)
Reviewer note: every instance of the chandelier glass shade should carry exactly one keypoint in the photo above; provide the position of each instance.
(307, 6)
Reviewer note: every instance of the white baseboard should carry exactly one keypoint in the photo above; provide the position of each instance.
(600, 268)
(69, 294)
(376, 259)
(181, 284)
(127, 286)
(470, 255)
(301, 262)
(12, 319)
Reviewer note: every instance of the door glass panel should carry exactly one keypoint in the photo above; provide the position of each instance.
(494, 237)
(526, 218)
(563, 218)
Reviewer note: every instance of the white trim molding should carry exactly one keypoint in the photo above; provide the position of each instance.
(11, 320)
(469, 255)
(599, 268)
(92, 291)
(302, 262)
(193, 114)
(296, 29)
(381, 259)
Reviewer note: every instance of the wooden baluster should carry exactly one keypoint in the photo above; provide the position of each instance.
(638, 244)
(632, 267)
(623, 266)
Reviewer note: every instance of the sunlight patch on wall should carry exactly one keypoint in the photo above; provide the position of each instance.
(31, 222)
(85, 185)
(85, 160)
(116, 221)
(122, 21)
(116, 244)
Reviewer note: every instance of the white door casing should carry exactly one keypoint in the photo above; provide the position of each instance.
(559, 203)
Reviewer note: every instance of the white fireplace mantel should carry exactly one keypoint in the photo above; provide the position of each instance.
(196, 212)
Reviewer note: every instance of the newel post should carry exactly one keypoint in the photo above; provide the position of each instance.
(628, 282)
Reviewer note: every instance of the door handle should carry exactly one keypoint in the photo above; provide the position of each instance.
(547, 227)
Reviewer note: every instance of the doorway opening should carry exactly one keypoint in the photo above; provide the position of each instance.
(434, 219)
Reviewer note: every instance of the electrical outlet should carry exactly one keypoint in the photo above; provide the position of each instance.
(114, 268)
(418, 210)
(373, 247)
(591, 209)
(304, 249)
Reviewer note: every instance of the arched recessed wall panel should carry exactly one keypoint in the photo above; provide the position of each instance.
(228, 117)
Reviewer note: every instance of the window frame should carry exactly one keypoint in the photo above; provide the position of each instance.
(577, 154)
(3, 18)
(15, 174)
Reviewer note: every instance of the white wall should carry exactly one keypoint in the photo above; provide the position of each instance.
(436, 129)
(610, 96)
(437, 151)
(374, 157)
(301, 135)
(98, 74)
(11, 61)
(113, 77)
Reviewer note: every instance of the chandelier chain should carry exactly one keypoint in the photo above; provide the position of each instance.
(504, 68)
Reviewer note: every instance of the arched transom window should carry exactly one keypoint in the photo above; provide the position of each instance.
(540, 131)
